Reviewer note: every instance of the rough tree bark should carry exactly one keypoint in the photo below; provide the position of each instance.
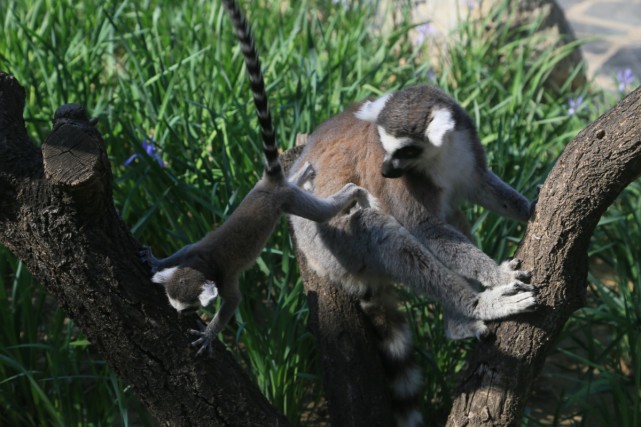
(57, 215)
(599, 163)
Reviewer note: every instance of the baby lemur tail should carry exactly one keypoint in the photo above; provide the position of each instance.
(397, 355)
(273, 168)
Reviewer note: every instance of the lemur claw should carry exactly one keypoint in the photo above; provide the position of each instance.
(148, 258)
(204, 342)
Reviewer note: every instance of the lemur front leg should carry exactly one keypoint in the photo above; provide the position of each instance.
(370, 242)
(307, 205)
(156, 264)
(461, 256)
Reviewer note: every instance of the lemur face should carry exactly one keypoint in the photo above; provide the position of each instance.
(413, 124)
(187, 288)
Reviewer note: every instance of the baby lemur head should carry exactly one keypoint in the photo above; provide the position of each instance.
(186, 288)
(414, 125)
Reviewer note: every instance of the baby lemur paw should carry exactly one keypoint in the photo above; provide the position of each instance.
(304, 177)
(364, 199)
(367, 200)
(204, 341)
(307, 172)
(148, 258)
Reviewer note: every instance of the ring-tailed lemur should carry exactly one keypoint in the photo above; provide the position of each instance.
(425, 140)
(199, 272)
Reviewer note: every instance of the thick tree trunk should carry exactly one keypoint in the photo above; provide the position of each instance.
(57, 215)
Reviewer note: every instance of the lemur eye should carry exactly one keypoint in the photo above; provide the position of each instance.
(408, 152)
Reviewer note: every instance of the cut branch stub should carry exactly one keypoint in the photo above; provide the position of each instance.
(71, 153)
(74, 159)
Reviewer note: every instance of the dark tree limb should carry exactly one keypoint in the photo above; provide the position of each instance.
(57, 215)
(592, 171)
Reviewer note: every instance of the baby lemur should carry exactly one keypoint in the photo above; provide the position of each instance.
(418, 153)
(201, 271)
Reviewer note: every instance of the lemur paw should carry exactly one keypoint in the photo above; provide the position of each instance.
(307, 172)
(204, 342)
(504, 301)
(509, 272)
(367, 200)
(148, 258)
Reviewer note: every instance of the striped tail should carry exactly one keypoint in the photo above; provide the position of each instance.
(273, 168)
(397, 354)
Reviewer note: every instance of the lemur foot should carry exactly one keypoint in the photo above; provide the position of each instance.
(148, 258)
(459, 328)
(504, 301)
(304, 175)
(205, 341)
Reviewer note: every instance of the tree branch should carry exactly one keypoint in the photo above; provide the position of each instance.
(57, 215)
(592, 171)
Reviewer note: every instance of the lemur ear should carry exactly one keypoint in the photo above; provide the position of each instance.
(370, 110)
(210, 291)
(164, 275)
(442, 123)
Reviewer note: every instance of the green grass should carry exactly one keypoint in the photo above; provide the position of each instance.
(173, 70)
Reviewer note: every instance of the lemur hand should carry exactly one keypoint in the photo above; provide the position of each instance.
(207, 336)
(148, 258)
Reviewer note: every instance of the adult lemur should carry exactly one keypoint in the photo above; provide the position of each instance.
(426, 141)
(199, 272)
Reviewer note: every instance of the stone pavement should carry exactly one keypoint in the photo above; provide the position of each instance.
(614, 29)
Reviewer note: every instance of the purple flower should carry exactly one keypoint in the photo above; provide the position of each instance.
(425, 31)
(148, 145)
(471, 4)
(624, 78)
(575, 105)
(431, 75)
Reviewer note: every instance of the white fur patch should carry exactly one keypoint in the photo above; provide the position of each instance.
(370, 110)
(210, 291)
(391, 143)
(178, 305)
(399, 344)
(452, 169)
(164, 275)
(442, 123)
